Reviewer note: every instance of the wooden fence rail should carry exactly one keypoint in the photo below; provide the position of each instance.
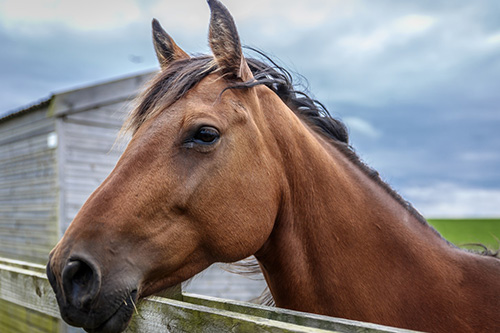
(26, 284)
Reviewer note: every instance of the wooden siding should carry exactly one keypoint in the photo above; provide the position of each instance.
(87, 153)
(28, 187)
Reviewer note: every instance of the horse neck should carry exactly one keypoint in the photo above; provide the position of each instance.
(340, 239)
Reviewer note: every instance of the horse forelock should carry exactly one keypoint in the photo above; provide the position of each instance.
(168, 86)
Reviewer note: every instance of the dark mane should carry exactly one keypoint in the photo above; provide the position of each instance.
(182, 75)
(172, 84)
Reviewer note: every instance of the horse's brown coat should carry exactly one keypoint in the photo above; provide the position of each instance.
(329, 238)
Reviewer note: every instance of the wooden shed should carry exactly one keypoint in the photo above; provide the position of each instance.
(52, 156)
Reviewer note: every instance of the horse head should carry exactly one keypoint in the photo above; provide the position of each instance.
(197, 184)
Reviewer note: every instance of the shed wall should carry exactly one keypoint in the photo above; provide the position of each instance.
(42, 188)
(88, 153)
(28, 187)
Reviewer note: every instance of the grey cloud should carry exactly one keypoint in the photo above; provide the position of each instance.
(433, 96)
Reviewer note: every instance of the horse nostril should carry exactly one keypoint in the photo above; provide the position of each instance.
(80, 283)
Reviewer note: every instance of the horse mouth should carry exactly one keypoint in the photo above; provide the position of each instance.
(120, 319)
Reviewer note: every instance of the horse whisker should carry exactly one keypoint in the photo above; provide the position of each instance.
(135, 308)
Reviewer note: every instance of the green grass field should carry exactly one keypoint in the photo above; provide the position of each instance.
(463, 231)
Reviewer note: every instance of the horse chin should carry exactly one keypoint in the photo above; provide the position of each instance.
(115, 323)
(118, 322)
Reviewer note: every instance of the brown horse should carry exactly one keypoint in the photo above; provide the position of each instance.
(227, 160)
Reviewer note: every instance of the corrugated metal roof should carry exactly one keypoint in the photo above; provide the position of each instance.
(26, 109)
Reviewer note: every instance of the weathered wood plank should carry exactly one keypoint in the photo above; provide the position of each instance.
(16, 194)
(23, 202)
(35, 241)
(43, 215)
(108, 116)
(4, 183)
(16, 123)
(40, 157)
(81, 156)
(35, 253)
(42, 127)
(23, 264)
(34, 232)
(28, 288)
(31, 169)
(83, 130)
(31, 207)
(16, 319)
(27, 225)
(73, 170)
(24, 147)
(160, 314)
(293, 317)
(25, 284)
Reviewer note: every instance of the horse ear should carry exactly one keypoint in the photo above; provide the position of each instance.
(225, 43)
(165, 47)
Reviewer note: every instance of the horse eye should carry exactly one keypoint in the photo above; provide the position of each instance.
(206, 135)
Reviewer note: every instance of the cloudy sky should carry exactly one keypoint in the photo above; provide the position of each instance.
(418, 83)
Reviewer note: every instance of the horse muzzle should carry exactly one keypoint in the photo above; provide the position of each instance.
(84, 301)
